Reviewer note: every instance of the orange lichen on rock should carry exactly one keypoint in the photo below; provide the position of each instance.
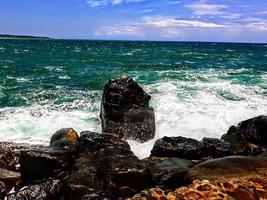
(253, 189)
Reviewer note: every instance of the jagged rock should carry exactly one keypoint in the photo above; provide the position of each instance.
(191, 149)
(249, 136)
(65, 138)
(168, 172)
(3, 190)
(44, 163)
(48, 190)
(215, 148)
(9, 154)
(125, 110)
(228, 168)
(10, 178)
(107, 163)
(81, 192)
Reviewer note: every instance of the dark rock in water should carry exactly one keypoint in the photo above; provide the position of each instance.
(229, 168)
(48, 190)
(168, 172)
(179, 147)
(125, 110)
(107, 163)
(215, 148)
(9, 178)
(38, 164)
(191, 149)
(253, 131)
(65, 138)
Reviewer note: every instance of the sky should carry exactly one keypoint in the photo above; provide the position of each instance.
(175, 20)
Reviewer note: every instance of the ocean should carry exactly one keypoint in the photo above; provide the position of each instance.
(198, 89)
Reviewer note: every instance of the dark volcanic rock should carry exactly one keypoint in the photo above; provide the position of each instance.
(107, 163)
(168, 172)
(9, 154)
(9, 178)
(65, 138)
(179, 147)
(81, 192)
(44, 163)
(191, 149)
(48, 190)
(228, 168)
(253, 131)
(3, 190)
(125, 110)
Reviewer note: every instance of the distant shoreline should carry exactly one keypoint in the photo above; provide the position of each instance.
(12, 37)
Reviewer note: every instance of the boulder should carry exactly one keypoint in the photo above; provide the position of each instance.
(230, 168)
(9, 154)
(9, 178)
(125, 110)
(251, 131)
(107, 163)
(167, 172)
(44, 163)
(47, 190)
(191, 149)
(65, 138)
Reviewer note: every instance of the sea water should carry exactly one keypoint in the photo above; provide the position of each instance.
(198, 89)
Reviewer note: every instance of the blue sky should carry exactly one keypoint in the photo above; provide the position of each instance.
(191, 20)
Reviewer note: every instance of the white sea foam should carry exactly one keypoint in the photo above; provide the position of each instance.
(205, 106)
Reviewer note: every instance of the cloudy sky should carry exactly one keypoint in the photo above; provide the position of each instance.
(182, 20)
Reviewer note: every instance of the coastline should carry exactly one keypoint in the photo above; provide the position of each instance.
(93, 165)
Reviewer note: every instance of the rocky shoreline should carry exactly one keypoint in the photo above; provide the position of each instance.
(99, 166)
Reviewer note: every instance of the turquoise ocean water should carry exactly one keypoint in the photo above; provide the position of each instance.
(198, 89)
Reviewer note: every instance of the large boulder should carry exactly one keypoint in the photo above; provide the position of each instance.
(9, 154)
(253, 131)
(125, 110)
(9, 178)
(230, 168)
(167, 172)
(65, 138)
(191, 149)
(106, 163)
(44, 163)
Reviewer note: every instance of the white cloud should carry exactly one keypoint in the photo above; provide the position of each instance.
(101, 3)
(257, 26)
(164, 22)
(160, 26)
(203, 8)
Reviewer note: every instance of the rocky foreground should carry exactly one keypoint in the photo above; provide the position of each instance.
(100, 166)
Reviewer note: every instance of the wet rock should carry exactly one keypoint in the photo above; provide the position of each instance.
(168, 172)
(48, 190)
(229, 168)
(65, 138)
(216, 148)
(191, 149)
(3, 190)
(81, 192)
(251, 131)
(179, 147)
(109, 164)
(44, 163)
(9, 178)
(125, 110)
(9, 154)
